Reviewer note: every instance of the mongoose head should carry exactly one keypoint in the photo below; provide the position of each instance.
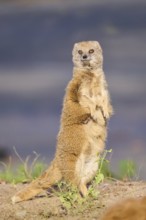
(87, 54)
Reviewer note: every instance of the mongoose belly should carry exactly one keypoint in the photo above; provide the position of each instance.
(87, 163)
(86, 167)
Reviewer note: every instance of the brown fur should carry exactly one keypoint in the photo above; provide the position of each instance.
(82, 135)
(130, 209)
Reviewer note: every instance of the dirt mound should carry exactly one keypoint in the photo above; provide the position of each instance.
(45, 207)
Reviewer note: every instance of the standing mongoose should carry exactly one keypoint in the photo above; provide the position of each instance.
(83, 128)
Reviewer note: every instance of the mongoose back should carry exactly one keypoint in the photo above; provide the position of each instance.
(83, 128)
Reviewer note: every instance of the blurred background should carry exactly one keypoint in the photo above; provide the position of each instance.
(36, 40)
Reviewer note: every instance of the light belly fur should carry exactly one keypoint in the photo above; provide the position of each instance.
(86, 167)
(87, 163)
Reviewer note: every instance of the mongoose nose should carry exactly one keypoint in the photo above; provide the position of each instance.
(84, 56)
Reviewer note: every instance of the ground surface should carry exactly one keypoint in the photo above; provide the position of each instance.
(51, 208)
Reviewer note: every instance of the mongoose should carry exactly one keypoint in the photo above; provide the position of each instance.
(130, 209)
(83, 129)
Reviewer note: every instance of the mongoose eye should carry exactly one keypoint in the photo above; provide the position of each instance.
(80, 52)
(91, 51)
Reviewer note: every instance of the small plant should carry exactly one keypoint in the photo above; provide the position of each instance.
(101, 174)
(24, 172)
(127, 169)
(68, 195)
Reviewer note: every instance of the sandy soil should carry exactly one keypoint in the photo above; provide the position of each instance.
(45, 207)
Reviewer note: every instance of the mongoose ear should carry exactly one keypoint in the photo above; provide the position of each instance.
(97, 44)
(75, 45)
(74, 48)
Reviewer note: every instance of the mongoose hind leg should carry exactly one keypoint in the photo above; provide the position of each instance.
(83, 189)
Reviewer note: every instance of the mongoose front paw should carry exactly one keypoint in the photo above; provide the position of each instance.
(107, 112)
(84, 119)
(87, 120)
(106, 115)
(98, 117)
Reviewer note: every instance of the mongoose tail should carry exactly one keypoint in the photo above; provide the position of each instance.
(50, 177)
